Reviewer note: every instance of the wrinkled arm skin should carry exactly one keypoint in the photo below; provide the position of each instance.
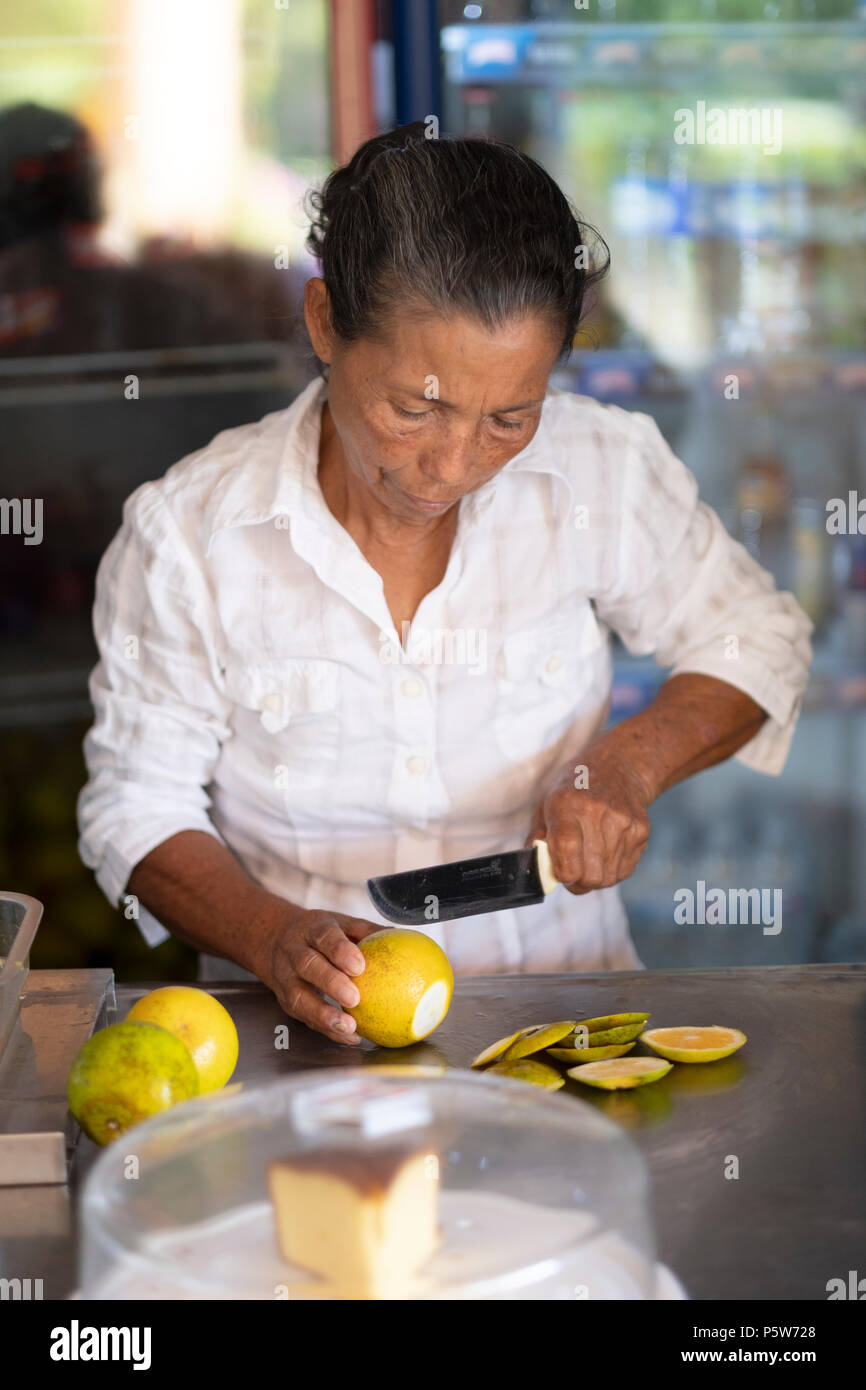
(597, 832)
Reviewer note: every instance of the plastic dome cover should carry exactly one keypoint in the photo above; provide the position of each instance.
(539, 1196)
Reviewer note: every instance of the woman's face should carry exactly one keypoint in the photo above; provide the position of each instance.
(437, 408)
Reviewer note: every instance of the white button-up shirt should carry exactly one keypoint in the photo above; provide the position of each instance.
(252, 684)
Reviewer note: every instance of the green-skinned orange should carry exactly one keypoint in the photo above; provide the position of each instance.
(124, 1074)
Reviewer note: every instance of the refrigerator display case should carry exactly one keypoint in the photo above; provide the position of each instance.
(719, 148)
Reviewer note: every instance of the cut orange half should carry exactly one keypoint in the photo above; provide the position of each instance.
(694, 1044)
(621, 1075)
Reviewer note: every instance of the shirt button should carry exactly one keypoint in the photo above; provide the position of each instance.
(552, 664)
(411, 689)
(416, 764)
(272, 702)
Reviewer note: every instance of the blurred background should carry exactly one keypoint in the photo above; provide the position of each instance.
(154, 155)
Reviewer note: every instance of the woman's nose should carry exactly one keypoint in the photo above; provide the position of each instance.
(449, 466)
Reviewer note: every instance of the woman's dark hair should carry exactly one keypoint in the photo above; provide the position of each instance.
(461, 225)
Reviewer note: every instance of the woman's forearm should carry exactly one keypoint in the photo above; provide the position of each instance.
(693, 723)
(197, 889)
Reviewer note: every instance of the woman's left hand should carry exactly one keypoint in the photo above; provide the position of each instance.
(597, 830)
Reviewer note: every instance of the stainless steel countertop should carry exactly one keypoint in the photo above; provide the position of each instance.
(790, 1107)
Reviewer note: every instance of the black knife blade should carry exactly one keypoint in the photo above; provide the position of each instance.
(465, 888)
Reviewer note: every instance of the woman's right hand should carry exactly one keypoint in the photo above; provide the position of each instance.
(310, 952)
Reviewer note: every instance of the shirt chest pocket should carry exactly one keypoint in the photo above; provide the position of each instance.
(290, 712)
(547, 675)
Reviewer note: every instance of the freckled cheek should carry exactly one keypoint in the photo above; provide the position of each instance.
(504, 453)
(382, 449)
(392, 450)
(399, 452)
(494, 458)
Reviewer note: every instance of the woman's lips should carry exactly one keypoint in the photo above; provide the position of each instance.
(426, 505)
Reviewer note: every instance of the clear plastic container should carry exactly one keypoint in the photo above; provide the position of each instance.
(540, 1197)
(19, 918)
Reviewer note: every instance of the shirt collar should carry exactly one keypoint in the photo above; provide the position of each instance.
(276, 474)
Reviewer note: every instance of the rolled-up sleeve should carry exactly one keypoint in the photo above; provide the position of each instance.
(160, 716)
(684, 590)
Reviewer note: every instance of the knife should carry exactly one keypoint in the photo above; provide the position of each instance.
(470, 886)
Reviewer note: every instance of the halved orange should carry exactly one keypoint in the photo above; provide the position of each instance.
(621, 1075)
(694, 1044)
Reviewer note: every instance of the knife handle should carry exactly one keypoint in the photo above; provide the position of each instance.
(549, 881)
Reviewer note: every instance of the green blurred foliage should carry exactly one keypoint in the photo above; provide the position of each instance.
(285, 82)
(51, 70)
(43, 772)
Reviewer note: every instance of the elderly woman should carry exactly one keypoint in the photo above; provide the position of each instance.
(370, 632)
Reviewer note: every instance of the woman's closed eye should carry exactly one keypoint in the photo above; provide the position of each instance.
(420, 415)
